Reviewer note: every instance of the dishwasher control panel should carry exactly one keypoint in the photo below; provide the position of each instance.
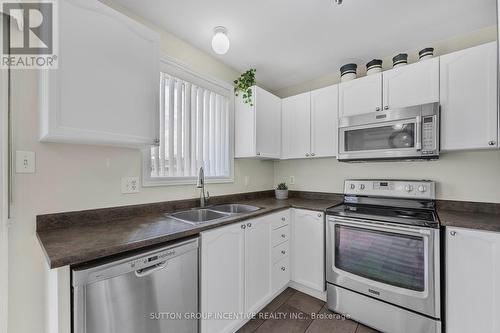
(153, 259)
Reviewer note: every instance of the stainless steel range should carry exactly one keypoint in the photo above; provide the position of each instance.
(383, 257)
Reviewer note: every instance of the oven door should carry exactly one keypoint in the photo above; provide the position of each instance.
(393, 263)
(381, 140)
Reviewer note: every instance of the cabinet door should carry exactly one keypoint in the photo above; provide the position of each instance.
(469, 116)
(296, 126)
(360, 96)
(268, 124)
(324, 121)
(308, 248)
(106, 89)
(245, 127)
(410, 85)
(222, 276)
(257, 263)
(472, 281)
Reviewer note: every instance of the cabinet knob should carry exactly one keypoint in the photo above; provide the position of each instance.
(313, 154)
(283, 236)
(156, 142)
(258, 154)
(283, 219)
(491, 143)
(249, 225)
(453, 233)
(386, 107)
(307, 154)
(377, 108)
(319, 215)
(283, 269)
(243, 226)
(283, 252)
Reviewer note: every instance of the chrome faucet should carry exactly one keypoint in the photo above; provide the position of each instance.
(201, 185)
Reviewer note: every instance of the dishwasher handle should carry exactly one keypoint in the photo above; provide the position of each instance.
(150, 270)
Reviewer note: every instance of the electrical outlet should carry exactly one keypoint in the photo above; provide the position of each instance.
(25, 162)
(130, 185)
(292, 180)
(247, 180)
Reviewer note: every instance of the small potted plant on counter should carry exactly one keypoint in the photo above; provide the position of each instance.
(281, 191)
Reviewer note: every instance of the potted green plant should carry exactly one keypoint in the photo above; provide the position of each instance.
(281, 191)
(244, 85)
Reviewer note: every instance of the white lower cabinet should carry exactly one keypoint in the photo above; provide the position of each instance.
(308, 249)
(222, 276)
(472, 281)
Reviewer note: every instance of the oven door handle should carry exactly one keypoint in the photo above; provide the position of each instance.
(380, 226)
(418, 133)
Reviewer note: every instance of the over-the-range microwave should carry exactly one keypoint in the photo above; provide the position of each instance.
(409, 133)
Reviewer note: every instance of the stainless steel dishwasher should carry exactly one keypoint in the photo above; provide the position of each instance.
(152, 292)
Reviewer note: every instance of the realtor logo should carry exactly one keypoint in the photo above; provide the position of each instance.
(28, 40)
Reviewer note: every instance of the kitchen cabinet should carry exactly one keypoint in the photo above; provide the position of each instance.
(296, 114)
(363, 95)
(308, 249)
(472, 281)
(410, 85)
(280, 241)
(468, 94)
(257, 264)
(222, 276)
(106, 89)
(324, 121)
(235, 271)
(258, 127)
(310, 124)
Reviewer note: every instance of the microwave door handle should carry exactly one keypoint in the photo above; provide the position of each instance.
(418, 133)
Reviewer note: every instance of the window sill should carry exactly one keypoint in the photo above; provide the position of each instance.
(152, 182)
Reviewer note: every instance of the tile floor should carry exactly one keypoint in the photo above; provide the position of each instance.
(296, 312)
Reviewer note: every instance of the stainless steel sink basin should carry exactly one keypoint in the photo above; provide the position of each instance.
(234, 208)
(197, 216)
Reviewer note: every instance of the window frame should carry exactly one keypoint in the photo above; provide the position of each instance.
(172, 67)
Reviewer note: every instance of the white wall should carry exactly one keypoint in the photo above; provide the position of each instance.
(467, 176)
(73, 177)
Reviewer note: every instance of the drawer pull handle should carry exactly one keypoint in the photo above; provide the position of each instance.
(249, 225)
(453, 233)
(283, 236)
(283, 252)
(243, 226)
(283, 269)
(319, 214)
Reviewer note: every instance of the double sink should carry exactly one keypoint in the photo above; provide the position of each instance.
(211, 214)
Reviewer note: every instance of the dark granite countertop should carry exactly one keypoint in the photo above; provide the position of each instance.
(78, 237)
(472, 215)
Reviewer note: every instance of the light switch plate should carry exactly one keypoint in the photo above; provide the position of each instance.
(130, 185)
(25, 161)
(292, 180)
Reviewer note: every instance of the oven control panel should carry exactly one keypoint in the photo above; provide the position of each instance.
(417, 189)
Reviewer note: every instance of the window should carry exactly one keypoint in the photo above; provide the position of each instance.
(196, 130)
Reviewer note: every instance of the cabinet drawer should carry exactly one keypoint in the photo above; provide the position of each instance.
(281, 274)
(281, 251)
(280, 235)
(280, 219)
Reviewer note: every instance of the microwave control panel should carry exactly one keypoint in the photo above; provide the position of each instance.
(429, 132)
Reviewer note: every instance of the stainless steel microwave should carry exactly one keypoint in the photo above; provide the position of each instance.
(408, 133)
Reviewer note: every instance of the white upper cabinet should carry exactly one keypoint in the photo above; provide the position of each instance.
(469, 115)
(472, 281)
(258, 127)
(324, 121)
(296, 128)
(257, 263)
(363, 95)
(308, 234)
(106, 89)
(410, 85)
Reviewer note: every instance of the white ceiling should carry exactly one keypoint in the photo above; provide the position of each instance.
(292, 41)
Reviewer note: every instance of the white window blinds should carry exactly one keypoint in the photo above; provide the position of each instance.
(194, 131)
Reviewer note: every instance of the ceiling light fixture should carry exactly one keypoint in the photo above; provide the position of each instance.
(220, 42)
